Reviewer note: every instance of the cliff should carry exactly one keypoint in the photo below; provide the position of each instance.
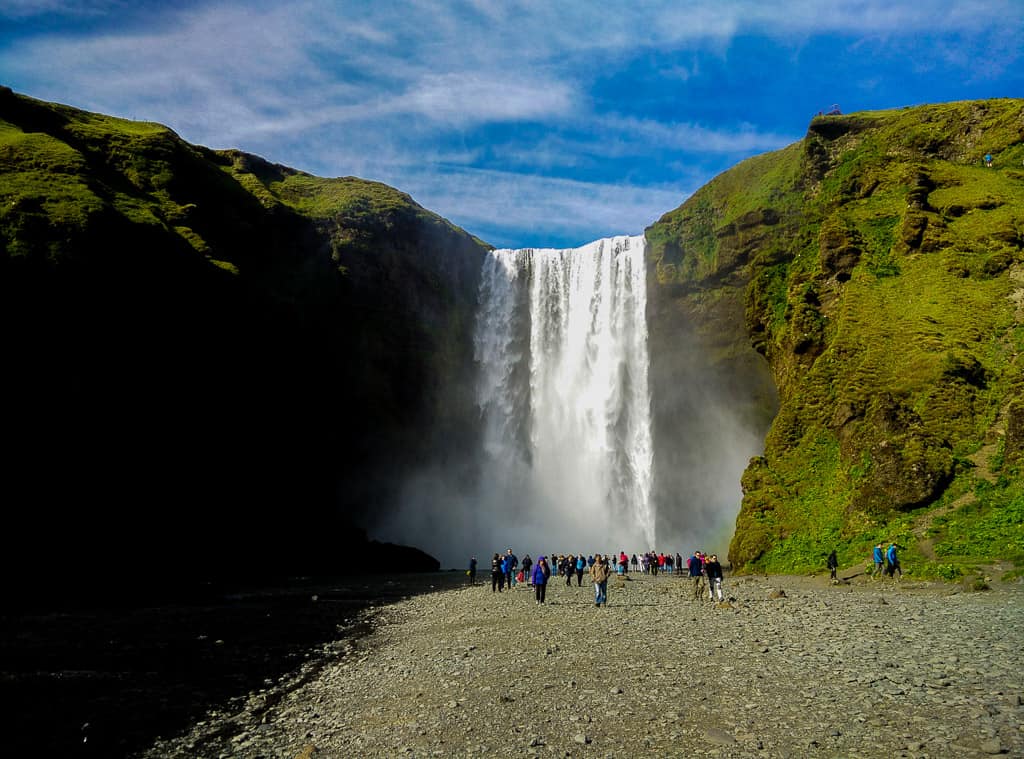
(213, 363)
(216, 365)
(878, 266)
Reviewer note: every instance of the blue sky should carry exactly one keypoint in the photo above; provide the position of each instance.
(527, 123)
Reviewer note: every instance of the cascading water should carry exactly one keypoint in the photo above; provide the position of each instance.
(561, 344)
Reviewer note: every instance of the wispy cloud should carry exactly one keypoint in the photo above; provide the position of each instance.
(448, 96)
(505, 205)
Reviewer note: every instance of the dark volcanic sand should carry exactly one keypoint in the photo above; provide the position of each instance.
(104, 681)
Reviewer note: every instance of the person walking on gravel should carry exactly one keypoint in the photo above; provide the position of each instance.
(581, 567)
(600, 573)
(541, 573)
(528, 569)
(833, 565)
(893, 561)
(713, 570)
(879, 559)
(696, 567)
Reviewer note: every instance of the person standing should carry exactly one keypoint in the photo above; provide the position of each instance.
(541, 573)
(581, 566)
(695, 565)
(713, 571)
(833, 565)
(599, 573)
(527, 569)
(472, 570)
(497, 574)
(511, 564)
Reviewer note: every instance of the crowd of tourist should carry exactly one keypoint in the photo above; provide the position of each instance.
(508, 571)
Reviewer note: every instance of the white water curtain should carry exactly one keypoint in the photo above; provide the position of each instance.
(561, 343)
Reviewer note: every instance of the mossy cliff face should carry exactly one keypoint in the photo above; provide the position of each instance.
(880, 269)
(222, 360)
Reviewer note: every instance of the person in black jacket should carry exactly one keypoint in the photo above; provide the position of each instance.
(713, 571)
(833, 565)
(497, 578)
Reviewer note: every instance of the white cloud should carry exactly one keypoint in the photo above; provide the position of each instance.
(401, 92)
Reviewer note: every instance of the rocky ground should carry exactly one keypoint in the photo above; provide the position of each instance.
(858, 669)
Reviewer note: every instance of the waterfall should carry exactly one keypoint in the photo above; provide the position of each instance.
(561, 348)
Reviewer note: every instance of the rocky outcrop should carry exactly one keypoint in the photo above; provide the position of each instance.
(874, 263)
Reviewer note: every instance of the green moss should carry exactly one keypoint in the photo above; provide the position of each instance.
(991, 525)
(877, 257)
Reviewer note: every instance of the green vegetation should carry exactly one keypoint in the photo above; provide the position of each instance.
(882, 266)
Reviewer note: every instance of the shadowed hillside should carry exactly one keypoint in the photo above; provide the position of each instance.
(880, 267)
(212, 364)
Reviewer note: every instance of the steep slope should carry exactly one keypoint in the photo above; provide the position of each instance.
(879, 262)
(212, 364)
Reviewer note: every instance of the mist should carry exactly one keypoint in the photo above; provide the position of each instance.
(588, 442)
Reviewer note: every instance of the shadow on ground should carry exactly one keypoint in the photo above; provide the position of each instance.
(104, 680)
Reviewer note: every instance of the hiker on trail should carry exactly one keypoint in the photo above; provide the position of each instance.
(472, 570)
(988, 160)
(633, 562)
(833, 565)
(879, 559)
(599, 573)
(527, 565)
(497, 574)
(713, 570)
(541, 573)
(581, 566)
(679, 562)
(893, 561)
(696, 566)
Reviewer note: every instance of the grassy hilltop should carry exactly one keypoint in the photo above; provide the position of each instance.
(880, 267)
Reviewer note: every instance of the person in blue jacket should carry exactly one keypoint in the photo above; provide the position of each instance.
(879, 561)
(893, 561)
(696, 566)
(581, 567)
(541, 573)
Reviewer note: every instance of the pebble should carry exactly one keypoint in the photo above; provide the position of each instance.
(460, 673)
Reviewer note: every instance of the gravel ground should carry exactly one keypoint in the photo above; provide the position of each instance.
(861, 669)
